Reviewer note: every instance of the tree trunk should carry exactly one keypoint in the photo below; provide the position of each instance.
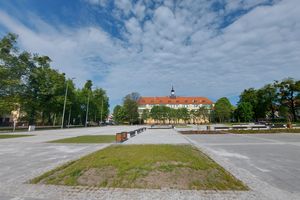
(293, 109)
(32, 117)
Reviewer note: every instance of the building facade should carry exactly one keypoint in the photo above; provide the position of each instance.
(176, 102)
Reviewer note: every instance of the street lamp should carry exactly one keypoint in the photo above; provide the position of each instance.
(101, 109)
(64, 109)
(87, 107)
(87, 110)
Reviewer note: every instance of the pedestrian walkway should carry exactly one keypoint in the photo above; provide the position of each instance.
(158, 136)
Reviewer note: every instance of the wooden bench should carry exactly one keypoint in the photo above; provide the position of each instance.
(259, 127)
(240, 127)
(278, 126)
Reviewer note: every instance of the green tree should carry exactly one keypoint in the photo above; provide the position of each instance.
(119, 114)
(28, 81)
(12, 71)
(145, 114)
(223, 110)
(251, 96)
(289, 90)
(100, 105)
(156, 113)
(183, 114)
(44, 91)
(244, 112)
(203, 113)
(268, 100)
(131, 108)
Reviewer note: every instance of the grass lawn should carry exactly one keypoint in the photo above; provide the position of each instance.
(264, 131)
(87, 139)
(182, 126)
(6, 136)
(144, 166)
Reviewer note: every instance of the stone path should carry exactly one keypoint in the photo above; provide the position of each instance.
(158, 136)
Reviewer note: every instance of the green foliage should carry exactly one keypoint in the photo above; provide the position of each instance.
(183, 114)
(223, 110)
(159, 113)
(277, 100)
(119, 114)
(131, 108)
(244, 112)
(27, 81)
(145, 114)
(128, 112)
(163, 113)
(289, 91)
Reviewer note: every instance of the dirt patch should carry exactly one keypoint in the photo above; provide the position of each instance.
(183, 178)
(202, 132)
(97, 177)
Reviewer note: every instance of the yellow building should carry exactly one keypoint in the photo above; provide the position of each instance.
(176, 102)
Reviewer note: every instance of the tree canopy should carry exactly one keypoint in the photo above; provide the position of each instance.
(223, 110)
(29, 82)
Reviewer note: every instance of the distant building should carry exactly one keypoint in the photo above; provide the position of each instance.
(9, 119)
(173, 101)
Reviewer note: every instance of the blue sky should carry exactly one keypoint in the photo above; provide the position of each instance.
(204, 48)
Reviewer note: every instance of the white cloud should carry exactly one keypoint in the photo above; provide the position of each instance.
(97, 2)
(124, 5)
(180, 45)
(139, 10)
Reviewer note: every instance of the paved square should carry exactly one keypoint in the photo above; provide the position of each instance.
(272, 158)
(268, 163)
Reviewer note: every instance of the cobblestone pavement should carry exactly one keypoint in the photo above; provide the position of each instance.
(22, 159)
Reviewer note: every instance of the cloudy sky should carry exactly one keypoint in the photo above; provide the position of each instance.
(211, 48)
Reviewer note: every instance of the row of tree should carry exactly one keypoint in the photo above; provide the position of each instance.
(28, 83)
(175, 116)
(278, 101)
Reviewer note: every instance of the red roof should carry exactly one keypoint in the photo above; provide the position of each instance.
(177, 100)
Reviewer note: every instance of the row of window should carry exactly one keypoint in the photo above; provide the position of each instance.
(176, 105)
(177, 101)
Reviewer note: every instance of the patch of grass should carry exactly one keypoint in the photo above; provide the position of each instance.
(264, 131)
(7, 136)
(144, 166)
(182, 126)
(87, 139)
(201, 132)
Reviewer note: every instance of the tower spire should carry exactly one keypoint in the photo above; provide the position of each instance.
(172, 93)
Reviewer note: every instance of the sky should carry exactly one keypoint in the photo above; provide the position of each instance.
(210, 48)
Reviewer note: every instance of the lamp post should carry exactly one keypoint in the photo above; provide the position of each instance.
(101, 109)
(69, 119)
(87, 107)
(64, 109)
(87, 110)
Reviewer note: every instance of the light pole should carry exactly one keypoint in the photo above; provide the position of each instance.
(101, 110)
(87, 110)
(69, 118)
(64, 109)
